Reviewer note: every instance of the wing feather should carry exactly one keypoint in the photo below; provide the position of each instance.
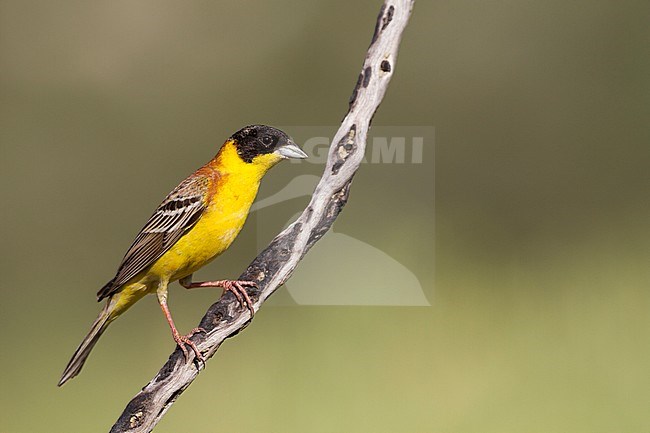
(175, 216)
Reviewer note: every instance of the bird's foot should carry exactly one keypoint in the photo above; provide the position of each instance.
(236, 287)
(183, 340)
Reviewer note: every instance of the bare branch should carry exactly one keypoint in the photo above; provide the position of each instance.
(275, 264)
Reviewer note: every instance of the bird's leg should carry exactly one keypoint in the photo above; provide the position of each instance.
(181, 340)
(236, 287)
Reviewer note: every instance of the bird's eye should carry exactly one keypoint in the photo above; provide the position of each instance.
(267, 140)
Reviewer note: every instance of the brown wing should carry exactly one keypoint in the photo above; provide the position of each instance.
(175, 216)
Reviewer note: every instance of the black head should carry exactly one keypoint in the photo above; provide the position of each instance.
(256, 140)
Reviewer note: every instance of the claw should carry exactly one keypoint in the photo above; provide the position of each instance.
(183, 340)
(195, 331)
(237, 289)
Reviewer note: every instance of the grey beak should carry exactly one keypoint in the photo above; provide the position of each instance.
(291, 150)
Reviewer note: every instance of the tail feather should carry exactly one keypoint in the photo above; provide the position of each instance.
(81, 354)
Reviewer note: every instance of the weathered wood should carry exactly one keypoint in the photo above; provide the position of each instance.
(273, 266)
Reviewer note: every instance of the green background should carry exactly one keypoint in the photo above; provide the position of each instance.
(537, 271)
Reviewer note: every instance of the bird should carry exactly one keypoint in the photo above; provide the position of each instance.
(195, 223)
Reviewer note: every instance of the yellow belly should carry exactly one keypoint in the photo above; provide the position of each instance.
(217, 228)
(211, 236)
(219, 225)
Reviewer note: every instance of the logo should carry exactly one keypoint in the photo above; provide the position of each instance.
(343, 267)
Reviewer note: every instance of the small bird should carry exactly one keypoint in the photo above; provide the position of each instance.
(195, 223)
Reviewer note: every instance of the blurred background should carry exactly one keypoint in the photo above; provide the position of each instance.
(533, 253)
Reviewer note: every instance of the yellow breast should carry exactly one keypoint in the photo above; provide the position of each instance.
(220, 223)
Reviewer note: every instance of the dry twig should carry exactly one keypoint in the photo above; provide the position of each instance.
(273, 266)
